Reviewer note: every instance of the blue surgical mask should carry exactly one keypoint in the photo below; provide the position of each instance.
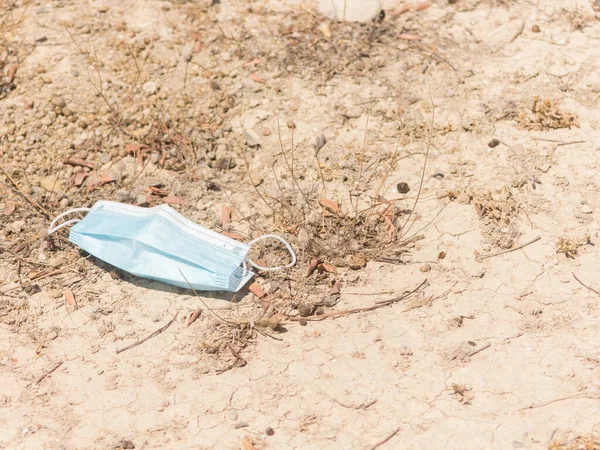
(160, 244)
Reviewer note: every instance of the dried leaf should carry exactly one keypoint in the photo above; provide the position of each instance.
(225, 217)
(409, 37)
(335, 289)
(272, 322)
(194, 316)
(106, 178)
(79, 178)
(132, 148)
(9, 208)
(78, 162)
(10, 73)
(324, 267)
(70, 298)
(257, 290)
(257, 79)
(22, 246)
(332, 206)
(401, 10)
(98, 180)
(247, 444)
(230, 235)
(172, 200)
(312, 267)
(157, 191)
(254, 62)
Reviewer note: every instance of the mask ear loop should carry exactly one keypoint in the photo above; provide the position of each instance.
(271, 269)
(54, 228)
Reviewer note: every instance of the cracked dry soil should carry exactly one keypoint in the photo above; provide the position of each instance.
(186, 102)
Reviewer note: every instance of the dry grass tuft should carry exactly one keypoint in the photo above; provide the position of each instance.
(545, 114)
(327, 48)
(579, 443)
(570, 246)
(498, 211)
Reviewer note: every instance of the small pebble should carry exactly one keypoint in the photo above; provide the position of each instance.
(463, 199)
(535, 29)
(124, 445)
(270, 431)
(403, 188)
(150, 87)
(305, 309)
(493, 143)
(586, 209)
(441, 193)
(59, 101)
(56, 293)
(232, 415)
(356, 261)
(241, 425)
(331, 300)
(425, 268)
(291, 124)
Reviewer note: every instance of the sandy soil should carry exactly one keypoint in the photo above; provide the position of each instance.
(179, 102)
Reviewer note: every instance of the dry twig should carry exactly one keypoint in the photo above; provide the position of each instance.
(363, 405)
(45, 374)
(482, 257)
(24, 194)
(585, 285)
(377, 305)
(383, 441)
(156, 333)
(591, 396)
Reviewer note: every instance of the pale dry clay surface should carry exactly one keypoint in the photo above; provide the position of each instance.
(458, 372)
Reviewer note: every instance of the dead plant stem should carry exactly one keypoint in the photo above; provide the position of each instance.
(585, 285)
(387, 438)
(404, 233)
(510, 250)
(156, 333)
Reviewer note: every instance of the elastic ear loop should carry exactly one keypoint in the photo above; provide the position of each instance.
(272, 269)
(266, 269)
(54, 228)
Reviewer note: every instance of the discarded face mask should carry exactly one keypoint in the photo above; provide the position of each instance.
(160, 244)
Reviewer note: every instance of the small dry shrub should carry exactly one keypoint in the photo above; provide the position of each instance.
(579, 443)
(570, 246)
(544, 114)
(327, 48)
(498, 211)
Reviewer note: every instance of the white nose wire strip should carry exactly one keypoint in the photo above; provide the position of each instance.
(53, 227)
(272, 269)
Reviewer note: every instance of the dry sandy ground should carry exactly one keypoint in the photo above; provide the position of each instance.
(496, 351)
